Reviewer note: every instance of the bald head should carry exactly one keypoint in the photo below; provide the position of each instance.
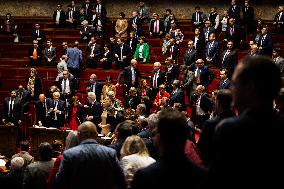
(87, 130)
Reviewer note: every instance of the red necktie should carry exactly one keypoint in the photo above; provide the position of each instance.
(156, 26)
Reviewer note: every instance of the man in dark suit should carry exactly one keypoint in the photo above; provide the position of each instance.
(190, 55)
(12, 109)
(100, 8)
(238, 141)
(72, 17)
(197, 18)
(24, 97)
(135, 25)
(229, 59)
(223, 110)
(56, 111)
(59, 17)
(42, 107)
(278, 21)
(85, 31)
(49, 54)
(170, 136)
(248, 17)
(88, 7)
(35, 54)
(211, 50)
(235, 11)
(67, 85)
(93, 52)
(95, 86)
(156, 79)
(224, 80)
(93, 110)
(123, 54)
(233, 33)
(265, 43)
(177, 96)
(132, 42)
(172, 71)
(131, 75)
(199, 43)
(207, 30)
(156, 27)
(172, 51)
(278, 59)
(39, 35)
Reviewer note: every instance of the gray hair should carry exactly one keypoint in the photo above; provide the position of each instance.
(152, 120)
(17, 163)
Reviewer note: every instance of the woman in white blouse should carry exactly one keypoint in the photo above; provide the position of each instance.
(134, 156)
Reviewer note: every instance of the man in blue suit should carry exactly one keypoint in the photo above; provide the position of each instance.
(225, 82)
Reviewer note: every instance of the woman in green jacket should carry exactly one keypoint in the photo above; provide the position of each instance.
(142, 53)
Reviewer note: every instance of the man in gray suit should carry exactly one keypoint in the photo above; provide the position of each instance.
(90, 163)
(278, 59)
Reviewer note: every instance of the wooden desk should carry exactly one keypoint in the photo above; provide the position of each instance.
(8, 140)
(39, 135)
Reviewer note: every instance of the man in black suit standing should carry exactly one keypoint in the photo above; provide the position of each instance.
(131, 75)
(88, 7)
(123, 54)
(235, 11)
(224, 80)
(238, 141)
(42, 107)
(156, 79)
(59, 17)
(93, 52)
(229, 59)
(199, 43)
(38, 35)
(95, 86)
(248, 17)
(100, 8)
(190, 54)
(177, 96)
(278, 21)
(197, 18)
(67, 85)
(12, 109)
(172, 51)
(56, 111)
(156, 27)
(233, 33)
(265, 43)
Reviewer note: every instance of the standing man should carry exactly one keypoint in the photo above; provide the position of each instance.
(123, 54)
(67, 85)
(12, 109)
(156, 79)
(156, 27)
(229, 59)
(93, 52)
(57, 111)
(39, 35)
(49, 54)
(59, 17)
(248, 16)
(95, 86)
(190, 55)
(74, 60)
(42, 107)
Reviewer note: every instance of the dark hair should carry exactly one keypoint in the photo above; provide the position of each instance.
(224, 98)
(169, 10)
(57, 145)
(254, 70)
(122, 14)
(108, 78)
(24, 145)
(197, 8)
(124, 129)
(45, 151)
(173, 130)
(278, 50)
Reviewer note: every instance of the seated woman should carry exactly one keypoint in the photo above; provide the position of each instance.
(142, 53)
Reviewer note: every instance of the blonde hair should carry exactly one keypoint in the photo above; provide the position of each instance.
(133, 145)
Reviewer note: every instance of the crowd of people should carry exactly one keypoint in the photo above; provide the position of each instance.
(153, 136)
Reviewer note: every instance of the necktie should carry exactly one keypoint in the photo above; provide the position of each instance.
(37, 32)
(156, 26)
(55, 107)
(155, 80)
(232, 31)
(121, 49)
(11, 108)
(64, 86)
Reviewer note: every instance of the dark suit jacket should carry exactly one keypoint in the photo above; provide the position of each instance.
(200, 44)
(230, 61)
(205, 142)
(160, 79)
(206, 103)
(126, 72)
(72, 84)
(126, 51)
(206, 75)
(248, 15)
(98, 89)
(236, 37)
(194, 18)
(41, 35)
(247, 135)
(152, 24)
(53, 54)
(175, 52)
(94, 110)
(138, 24)
(17, 110)
(109, 60)
(86, 33)
(266, 45)
(41, 110)
(37, 86)
(209, 31)
(168, 172)
(190, 57)
(224, 84)
(133, 45)
(103, 10)
(177, 97)
(62, 18)
(24, 95)
(212, 52)
(97, 52)
(235, 12)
